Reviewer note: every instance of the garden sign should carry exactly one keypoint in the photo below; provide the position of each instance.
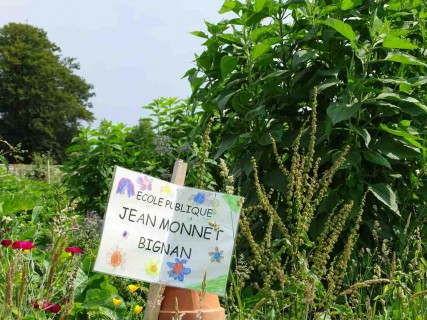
(159, 232)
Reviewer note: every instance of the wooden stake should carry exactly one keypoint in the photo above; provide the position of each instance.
(155, 294)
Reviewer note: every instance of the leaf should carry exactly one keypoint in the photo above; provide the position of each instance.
(385, 194)
(377, 158)
(225, 144)
(404, 58)
(391, 41)
(410, 138)
(259, 111)
(401, 97)
(302, 56)
(350, 4)
(223, 98)
(363, 133)
(229, 6)
(344, 28)
(259, 5)
(228, 63)
(396, 149)
(36, 213)
(264, 46)
(200, 34)
(328, 83)
(340, 111)
(259, 50)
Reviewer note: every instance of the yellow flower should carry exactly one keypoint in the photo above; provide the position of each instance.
(152, 267)
(70, 254)
(138, 309)
(26, 251)
(117, 302)
(133, 288)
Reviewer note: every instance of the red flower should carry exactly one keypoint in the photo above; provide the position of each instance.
(74, 250)
(23, 245)
(36, 305)
(54, 308)
(6, 242)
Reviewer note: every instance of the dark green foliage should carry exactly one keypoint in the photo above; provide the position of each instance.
(42, 100)
(368, 60)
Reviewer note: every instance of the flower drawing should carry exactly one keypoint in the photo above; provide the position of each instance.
(116, 257)
(152, 267)
(216, 255)
(199, 198)
(178, 271)
(145, 183)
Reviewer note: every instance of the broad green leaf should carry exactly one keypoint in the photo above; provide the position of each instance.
(328, 83)
(225, 144)
(396, 149)
(397, 43)
(223, 98)
(229, 6)
(404, 58)
(363, 133)
(410, 138)
(377, 158)
(338, 111)
(350, 4)
(263, 47)
(403, 98)
(385, 194)
(259, 111)
(344, 28)
(228, 63)
(302, 56)
(36, 212)
(259, 5)
(199, 34)
(259, 49)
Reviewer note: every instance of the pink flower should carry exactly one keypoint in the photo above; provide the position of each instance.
(23, 245)
(74, 250)
(6, 242)
(54, 308)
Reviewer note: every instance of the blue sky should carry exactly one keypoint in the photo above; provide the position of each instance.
(131, 51)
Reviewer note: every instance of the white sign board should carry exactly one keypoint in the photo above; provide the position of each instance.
(159, 232)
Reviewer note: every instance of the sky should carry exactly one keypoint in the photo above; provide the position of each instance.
(132, 51)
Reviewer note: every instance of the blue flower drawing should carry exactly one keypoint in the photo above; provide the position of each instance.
(199, 198)
(216, 255)
(178, 271)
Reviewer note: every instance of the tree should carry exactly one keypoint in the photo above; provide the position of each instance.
(256, 77)
(42, 100)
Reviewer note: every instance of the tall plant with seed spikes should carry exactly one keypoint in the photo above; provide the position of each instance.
(282, 237)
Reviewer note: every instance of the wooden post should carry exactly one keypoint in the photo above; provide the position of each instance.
(162, 300)
(155, 294)
(48, 172)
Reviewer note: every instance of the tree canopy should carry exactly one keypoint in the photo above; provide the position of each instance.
(42, 100)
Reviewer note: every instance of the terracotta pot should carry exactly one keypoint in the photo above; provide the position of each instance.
(188, 303)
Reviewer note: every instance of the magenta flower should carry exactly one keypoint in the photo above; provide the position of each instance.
(23, 245)
(47, 306)
(74, 250)
(6, 242)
